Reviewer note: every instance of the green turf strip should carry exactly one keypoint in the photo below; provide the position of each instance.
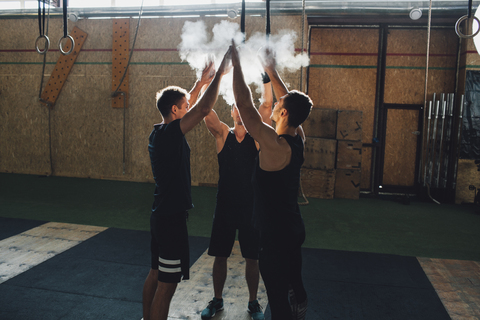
(368, 225)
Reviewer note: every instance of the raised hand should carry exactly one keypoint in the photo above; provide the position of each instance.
(226, 64)
(208, 72)
(267, 58)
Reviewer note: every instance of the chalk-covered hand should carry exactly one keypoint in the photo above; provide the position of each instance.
(235, 56)
(226, 64)
(267, 58)
(208, 73)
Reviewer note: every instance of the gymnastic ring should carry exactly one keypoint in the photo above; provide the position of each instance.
(457, 28)
(47, 44)
(61, 47)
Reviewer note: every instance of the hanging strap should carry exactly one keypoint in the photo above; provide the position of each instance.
(65, 21)
(65, 32)
(466, 17)
(267, 18)
(41, 29)
(242, 21)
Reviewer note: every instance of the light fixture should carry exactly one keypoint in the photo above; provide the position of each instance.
(73, 16)
(415, 13)
(232, 13)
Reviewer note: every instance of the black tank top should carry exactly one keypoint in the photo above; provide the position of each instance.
(235, 195)
(276, 211)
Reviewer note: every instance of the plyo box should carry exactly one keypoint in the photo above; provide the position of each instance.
(320, 153)
(321, 123)
(349, 125)
(349, 154)
(347, 184)
(318, 184)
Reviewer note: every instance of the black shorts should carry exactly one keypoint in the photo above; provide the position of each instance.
(169, 247)
(223, 239)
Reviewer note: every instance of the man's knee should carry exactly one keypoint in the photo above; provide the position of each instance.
(221, 260)
(153, 274)
(251, 264)
(166, 290)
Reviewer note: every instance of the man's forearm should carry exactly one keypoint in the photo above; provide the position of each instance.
(243, 99)
(195, 92)
(209, 98)
(278, 86)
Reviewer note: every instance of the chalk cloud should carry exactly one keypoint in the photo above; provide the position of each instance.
(198, 46)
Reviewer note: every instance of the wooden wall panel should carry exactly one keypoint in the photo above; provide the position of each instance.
(343, 72)
(342, 76)
(406, 61)
(400, 148)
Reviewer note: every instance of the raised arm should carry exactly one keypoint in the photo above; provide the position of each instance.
(208, 99)
(273, 149)
(269, 65)
(279, 87)
(217, 128)
(207, 76)
(265, 109)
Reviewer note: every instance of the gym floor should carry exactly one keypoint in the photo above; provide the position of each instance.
(79, 249)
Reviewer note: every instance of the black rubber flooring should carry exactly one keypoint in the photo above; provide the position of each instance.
(102, 278)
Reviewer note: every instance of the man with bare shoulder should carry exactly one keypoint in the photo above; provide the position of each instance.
(236, 152)
(276, 180)
(170, 159)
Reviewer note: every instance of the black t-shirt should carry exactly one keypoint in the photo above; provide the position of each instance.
(276, 211)
(235, 193)
(170, 158)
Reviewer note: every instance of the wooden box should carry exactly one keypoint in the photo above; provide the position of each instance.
(349, 154)
(320, 153)
(318, 184)
(349, 125)
(347, 184)
(321, 123)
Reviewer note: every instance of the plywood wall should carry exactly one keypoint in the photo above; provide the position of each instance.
(85, 133)
(342, 76)
(406, 61)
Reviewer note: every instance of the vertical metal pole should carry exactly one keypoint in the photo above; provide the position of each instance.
(460, 121)
(427, 151)
(439, 161)
(448, 138)
(434, 139)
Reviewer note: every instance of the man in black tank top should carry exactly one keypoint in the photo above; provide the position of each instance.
(170, 159)
(236, 151)
(276, 179)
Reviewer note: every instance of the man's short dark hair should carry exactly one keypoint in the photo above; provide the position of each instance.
(168, 97)
(298, 105)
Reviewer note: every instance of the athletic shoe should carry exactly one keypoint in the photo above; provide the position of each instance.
(293, 303)
(255, 310)
(302, 310)
(212, 308)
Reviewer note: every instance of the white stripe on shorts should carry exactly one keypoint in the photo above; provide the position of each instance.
(169, 262)
(169, 270)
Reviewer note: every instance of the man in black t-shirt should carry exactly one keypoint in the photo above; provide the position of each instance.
(276, 181)
(236, 152)
(170, 159)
